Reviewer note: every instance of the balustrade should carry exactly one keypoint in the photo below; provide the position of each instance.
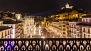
(46, 44)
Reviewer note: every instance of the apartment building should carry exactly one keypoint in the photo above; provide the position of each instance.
(74, 30)
(60, 27)
(17, 27)
(63, 25)
(28, 26)
(1, 22)
(86, 26)
(81, 29)
(5, 32)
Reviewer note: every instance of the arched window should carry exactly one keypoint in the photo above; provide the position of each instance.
(83, 20)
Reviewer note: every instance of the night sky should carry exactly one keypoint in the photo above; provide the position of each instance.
(35, 6)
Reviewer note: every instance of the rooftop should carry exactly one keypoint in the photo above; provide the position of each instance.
(72, 20)
(8, 21)
(4, 28)
(88, 16)
(84, 24)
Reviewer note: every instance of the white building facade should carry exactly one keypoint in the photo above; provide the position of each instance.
(28, 25)
(82, 29)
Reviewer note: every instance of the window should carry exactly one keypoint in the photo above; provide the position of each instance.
(59, 25)
(83, 20)
(78, 35)
(11, 32)
(5, 33)
(88, 36)
(2, 34)
(83, 29)
(63, 32)
(63, 29)
(63, 25)
(90, 20)
(89, 31)
(84, 36)
(86, 20)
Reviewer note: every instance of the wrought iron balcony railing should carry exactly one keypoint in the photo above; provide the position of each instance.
(47, 44)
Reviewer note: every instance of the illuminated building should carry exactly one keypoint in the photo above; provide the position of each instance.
(18, 16)
(60, 28)
(1, 22)
(64, 28)
(65, 14)
(81, 29)
(5, 32)
(28, 25)
(74, 30)
(44, 22)
(67, 6)
(17, 28)
(68, 12)
(86, 26)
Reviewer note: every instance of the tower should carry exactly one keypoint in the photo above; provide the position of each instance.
(67, 5)
(18, 16)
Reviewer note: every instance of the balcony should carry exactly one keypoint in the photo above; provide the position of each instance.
(46, 44)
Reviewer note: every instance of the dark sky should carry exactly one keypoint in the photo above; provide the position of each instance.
(35, 6)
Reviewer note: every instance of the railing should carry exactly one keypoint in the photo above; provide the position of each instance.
(47, 44)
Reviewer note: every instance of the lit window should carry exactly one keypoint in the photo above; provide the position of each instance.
(83, 20)
(8, 32)
(59, 25)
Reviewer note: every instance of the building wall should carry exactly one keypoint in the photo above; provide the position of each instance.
(74, 30)
(1, 22)
(87, 20)
(64, 27)
(60, 27)
(13, 29)
(6, 33)
(86, 32)
(80, 31)
(28, 25)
